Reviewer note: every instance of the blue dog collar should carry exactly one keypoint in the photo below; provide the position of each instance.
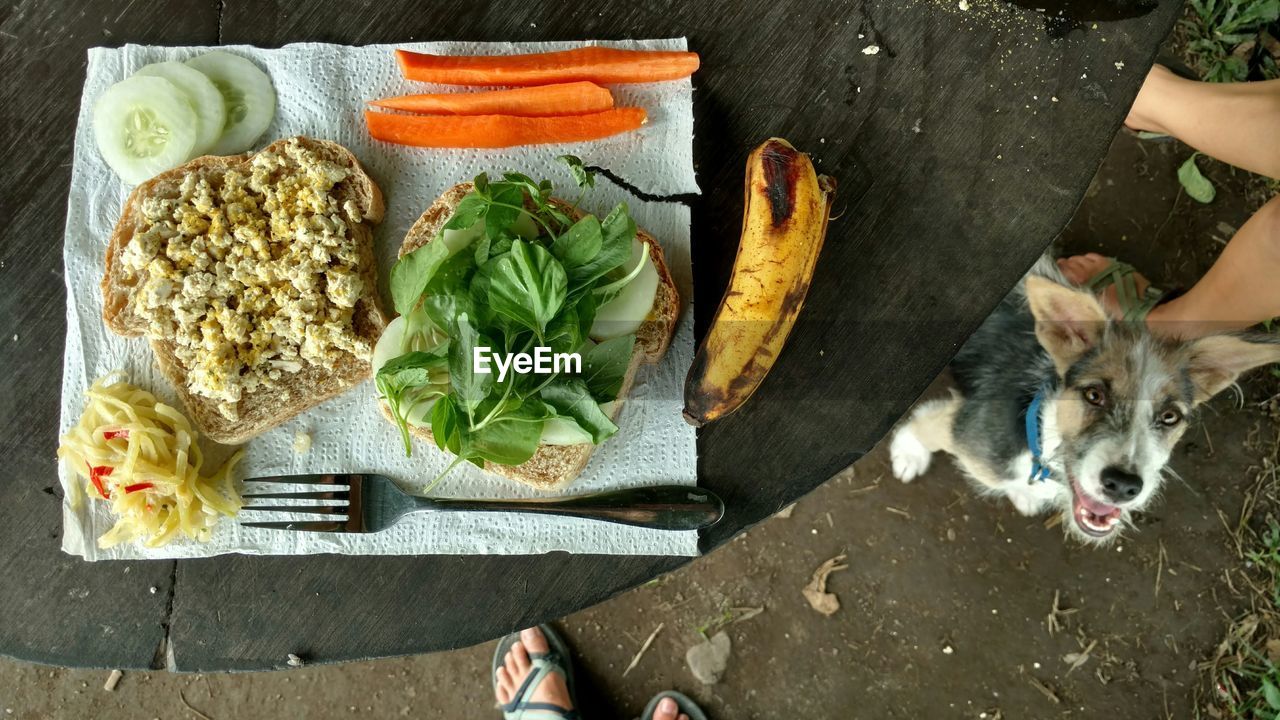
(1039, 471)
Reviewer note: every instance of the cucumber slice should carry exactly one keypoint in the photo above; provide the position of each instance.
(563, 431)
(204, 97)
(249, 96)
(394, 341)
(144, 126)
(391, 344)
(625, 313)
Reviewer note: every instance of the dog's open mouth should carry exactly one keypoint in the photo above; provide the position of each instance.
(1093, 517)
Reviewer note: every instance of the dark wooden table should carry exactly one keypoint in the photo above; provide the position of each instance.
(961, 147)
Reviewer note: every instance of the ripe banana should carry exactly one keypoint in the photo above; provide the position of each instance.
(784, 222)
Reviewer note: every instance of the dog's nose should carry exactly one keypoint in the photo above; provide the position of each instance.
(1120, 485)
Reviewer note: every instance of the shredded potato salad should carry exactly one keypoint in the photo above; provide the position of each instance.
(142, 457)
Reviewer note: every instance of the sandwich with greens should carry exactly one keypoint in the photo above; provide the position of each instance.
(496, 270)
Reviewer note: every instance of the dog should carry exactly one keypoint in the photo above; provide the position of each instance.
(1059, 407)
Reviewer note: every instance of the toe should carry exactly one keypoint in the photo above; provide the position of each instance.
(534, 641)
(512, 669)
(521, 657)
(666, 710)
(503, 691)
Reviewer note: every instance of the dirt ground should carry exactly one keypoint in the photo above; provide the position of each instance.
(947, 606)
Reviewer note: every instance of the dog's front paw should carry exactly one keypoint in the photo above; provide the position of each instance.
(909, 456)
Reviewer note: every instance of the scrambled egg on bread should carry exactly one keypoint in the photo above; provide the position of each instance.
(253, 278)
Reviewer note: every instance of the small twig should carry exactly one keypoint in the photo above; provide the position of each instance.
(1161, 556)
(1045, 690)
(190, 707)
(643, 649)
(1052, 621)
(1081, 657)
(898, 511)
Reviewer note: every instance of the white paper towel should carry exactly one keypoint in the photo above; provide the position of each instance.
(322, 89)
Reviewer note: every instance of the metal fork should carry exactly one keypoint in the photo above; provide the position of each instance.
(358, 503)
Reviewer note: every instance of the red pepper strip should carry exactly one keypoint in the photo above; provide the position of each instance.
(137, 486)
(95, 476)
(113, 434)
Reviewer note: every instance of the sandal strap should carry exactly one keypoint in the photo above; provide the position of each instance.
(1133, 307)
(520, 708)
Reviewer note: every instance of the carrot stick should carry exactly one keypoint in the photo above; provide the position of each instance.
(494, 131)
(594, 64)
(576, 98)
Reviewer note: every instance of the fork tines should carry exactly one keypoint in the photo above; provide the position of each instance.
(337, 497)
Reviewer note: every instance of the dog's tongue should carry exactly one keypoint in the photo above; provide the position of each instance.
(1096, 507)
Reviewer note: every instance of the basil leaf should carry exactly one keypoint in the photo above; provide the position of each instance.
(445, 426)
(453, 274)
(579, 244)
(581, 175)
(411, 274)
(504, 209)
(604, 366)
(409, 370)
(481, 254)
(527, 285)
(443, 309)
(510, 439)
(586, 309)
(470, 209)
(565, 332)
(570, 397)
(399, 376)
(470, 388)
(617, 231)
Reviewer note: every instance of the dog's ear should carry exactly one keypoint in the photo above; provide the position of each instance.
(1218, 360)
(1069, 322)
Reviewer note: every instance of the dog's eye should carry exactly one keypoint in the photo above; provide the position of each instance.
(1095, 396)
(1170, 417)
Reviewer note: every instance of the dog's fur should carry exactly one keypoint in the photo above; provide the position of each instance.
(1117, 399)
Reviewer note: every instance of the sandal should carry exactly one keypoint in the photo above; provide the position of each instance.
(521, 706)
(1133, 307)
(687, 706)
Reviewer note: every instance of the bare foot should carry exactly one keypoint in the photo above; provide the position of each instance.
(1080, 269)
(517, 666)
(667, 709)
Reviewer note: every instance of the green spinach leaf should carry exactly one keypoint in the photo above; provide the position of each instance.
(446, 428)
(470, 388)
(579, 244)
(618, 231)
(604, 366)
(527, 285)
(411, 274)
(510, 439)
(570, 397)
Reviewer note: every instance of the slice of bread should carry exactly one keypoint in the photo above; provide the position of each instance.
(260, 409)
(555, 466)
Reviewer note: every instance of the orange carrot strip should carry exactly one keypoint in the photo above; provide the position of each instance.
(601, 65)
(576, 98)
(495, 131)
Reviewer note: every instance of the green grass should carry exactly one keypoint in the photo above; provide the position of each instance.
(1230, 40)
(1249, 686)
